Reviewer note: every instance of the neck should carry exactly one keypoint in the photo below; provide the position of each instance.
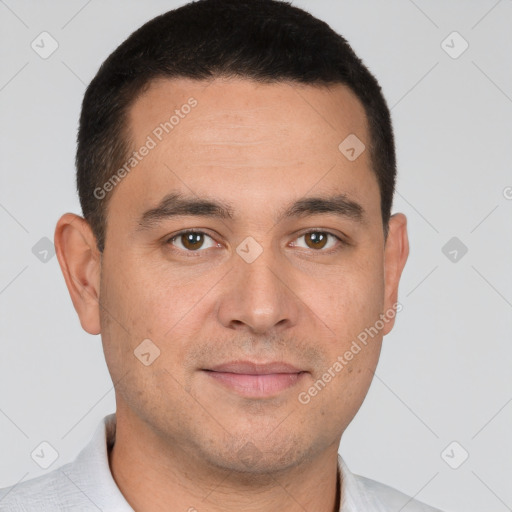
(143, 467)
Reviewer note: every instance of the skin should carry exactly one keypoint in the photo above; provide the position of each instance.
(258, 147)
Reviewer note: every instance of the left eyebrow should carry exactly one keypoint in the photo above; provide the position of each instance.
(338, 205)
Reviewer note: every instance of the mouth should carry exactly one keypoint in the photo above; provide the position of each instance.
(256, 380)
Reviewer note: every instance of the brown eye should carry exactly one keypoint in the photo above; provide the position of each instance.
(316, 239)
(320, 241)
(190, 241)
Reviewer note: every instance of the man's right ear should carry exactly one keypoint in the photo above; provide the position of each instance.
(80, 262)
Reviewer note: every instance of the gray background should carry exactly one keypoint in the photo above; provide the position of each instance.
(445, 372)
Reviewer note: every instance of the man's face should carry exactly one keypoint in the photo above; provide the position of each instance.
(204, 300)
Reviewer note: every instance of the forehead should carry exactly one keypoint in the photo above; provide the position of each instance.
(247, 111)
(239, 140)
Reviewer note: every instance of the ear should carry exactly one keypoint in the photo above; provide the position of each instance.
(396, 251)
(80, 262)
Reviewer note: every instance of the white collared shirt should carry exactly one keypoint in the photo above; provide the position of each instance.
(86, 484)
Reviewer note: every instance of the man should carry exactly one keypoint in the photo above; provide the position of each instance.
(236, 170)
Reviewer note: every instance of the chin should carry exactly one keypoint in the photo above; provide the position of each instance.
(260, 457)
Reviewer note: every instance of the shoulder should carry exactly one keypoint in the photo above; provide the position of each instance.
(84, 484)
(52, 491)
(391, 498)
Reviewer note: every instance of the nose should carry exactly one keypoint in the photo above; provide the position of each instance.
(258, 297)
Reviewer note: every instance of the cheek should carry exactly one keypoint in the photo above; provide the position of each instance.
(146, 302)
(333, 401)
(350, 299)
(153, 302)
(138, 308)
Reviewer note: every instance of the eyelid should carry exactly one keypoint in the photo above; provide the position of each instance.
(341, 237)
(169, 239)
(341, 241)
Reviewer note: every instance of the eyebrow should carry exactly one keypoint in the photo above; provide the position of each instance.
(338, 205)
(179, 205)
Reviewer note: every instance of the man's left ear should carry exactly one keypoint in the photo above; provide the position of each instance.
(80, 262)
(396, 252)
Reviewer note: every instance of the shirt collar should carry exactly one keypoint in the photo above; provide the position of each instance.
(90, 471)
(355, 497)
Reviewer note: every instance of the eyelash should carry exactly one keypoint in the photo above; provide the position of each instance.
(196, 253)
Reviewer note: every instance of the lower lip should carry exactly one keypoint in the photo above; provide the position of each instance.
(257, 385)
